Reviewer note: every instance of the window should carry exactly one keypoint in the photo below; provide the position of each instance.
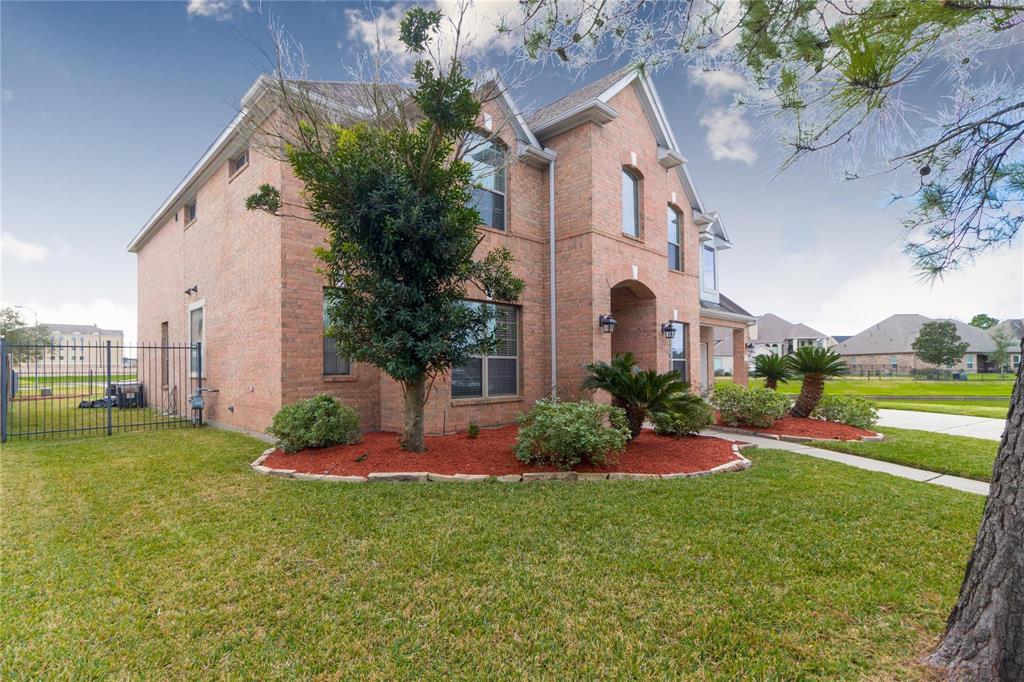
(334, 364)
(196, 334)
(1016, 361)
(497, 374)
(190, 211)
(677, 350)
(630, 204)
(487, 161)
(675, 239)
(709, 274)
(238, 162)
(892, 362)
(970, 361)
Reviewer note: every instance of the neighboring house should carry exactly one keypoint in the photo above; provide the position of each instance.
(887, 346)
(627, 236)
(1015, 330)
(777, 336)
(78, 348)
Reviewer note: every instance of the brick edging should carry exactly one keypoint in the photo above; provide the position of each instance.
(739, 464)
(874, 438)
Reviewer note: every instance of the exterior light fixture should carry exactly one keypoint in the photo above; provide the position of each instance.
(669, 330)
(607, 323)
(750, 347)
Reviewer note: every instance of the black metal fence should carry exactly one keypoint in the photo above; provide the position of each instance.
(89, 387)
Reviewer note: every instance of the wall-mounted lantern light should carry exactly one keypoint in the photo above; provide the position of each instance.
(607, 323)
(669, 330)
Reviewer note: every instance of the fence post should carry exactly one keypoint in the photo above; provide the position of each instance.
(4, 388)
(110, 408)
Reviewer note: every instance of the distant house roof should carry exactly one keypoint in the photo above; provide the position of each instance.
(772, 328)
(61, 328)
(1015, 327)
(726, 305)
(840, 339)
(896, 334)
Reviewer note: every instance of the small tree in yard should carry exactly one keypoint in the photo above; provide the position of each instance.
(816, 365)
(939, 344)
(1000, 357)
(393, 197)
(773, 369)
(641, 393)
(14, 330)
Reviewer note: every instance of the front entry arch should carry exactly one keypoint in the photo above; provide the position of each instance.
(634, 307)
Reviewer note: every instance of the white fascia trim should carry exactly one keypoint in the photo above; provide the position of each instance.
(517, 115)
(722, 315)
(594, 111)
(535, 156)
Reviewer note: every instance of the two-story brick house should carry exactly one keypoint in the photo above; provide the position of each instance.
(593, 199)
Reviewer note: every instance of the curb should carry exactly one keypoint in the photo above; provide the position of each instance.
(875, 437)
(741, 463)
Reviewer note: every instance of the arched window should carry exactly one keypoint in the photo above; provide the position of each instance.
(487, 160)
(675, 239)
(630, 203)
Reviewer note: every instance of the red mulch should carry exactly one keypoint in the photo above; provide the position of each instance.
(813, 428)
(491, 454)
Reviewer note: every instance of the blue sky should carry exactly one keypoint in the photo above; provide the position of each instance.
(106, 106)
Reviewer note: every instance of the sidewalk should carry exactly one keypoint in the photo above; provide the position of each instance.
(953, 424)
(920, 475)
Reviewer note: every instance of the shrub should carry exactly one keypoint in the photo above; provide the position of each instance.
(473, 430)
(641, 393)
(567, 433)
(318, 422)
(847, 409)
(759, 407)
(691, 415)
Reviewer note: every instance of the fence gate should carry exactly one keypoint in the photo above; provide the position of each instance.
(61, 389)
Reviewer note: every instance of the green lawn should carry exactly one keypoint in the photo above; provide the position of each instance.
(968, 408)
(942, 453)
(905, 386)
(161, 555)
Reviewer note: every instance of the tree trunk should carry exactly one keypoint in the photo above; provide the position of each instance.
(635, 419)
(415, 393)
(771, 382)
(811, 389)
(984, 638)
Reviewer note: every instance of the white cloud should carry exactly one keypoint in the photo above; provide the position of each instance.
(26, 252)
(994, 284)
(221, 10)
(479, 31)
(728, 136)
(102, 312)
(718, 81)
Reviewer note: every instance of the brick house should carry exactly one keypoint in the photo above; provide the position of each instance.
(593, 199)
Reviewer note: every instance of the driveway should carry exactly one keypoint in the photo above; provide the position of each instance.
(953, 424)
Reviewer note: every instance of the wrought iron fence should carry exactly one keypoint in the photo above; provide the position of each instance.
(60, 389)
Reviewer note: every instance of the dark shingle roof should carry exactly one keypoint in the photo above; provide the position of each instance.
(896, 334)
(771, 327)
(725, 305)
(576, 98)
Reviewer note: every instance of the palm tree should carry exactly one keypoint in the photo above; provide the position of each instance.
(773, 369)
(640, 393)
(815, 364)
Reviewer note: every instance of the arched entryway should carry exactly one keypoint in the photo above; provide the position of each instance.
(634, 307)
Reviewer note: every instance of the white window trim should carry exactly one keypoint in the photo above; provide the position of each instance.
(637, 199)
(518, 357)
(188, 325)
(504, 195)
(705, 247)
(678, 215)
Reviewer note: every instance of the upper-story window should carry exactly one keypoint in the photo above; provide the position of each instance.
(709, 269)
(487, 161)
(630, 203)
(675, 239)
(238, 162)
(190, 211)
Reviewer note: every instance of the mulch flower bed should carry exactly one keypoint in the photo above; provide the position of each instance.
(491, 454)
(811, 428)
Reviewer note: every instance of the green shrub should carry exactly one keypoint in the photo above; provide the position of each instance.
(473, 430)
(847, 409)
(565, 434)
(691, 415)
(739, 406)
(317, 422)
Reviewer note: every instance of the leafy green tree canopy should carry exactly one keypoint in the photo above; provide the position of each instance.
(939, 343)
(983, 321)
(15, 330)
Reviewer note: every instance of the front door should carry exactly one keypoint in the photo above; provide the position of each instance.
(704, 366)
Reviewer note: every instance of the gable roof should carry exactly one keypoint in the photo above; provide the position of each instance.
(771, 327)
(896, 334)
(574, 99)
(726, 309)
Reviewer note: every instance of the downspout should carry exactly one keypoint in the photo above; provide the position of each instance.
(552, 303)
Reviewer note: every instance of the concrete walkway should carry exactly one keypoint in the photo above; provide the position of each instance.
(955, 482)
(953, 424)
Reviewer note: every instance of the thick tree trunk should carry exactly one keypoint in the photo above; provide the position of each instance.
(635, 419)
(984, 638)
(415, 393)
(811, 390)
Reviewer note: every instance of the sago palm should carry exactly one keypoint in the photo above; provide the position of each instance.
(816, 365)
(640, 393)
(774, 369)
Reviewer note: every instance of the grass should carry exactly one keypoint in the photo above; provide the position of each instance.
(942, 453)
(967, 408)
(903, 386)
(30, 415)
(161, 555)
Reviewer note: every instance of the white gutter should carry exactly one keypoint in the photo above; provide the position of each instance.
(552, 303)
